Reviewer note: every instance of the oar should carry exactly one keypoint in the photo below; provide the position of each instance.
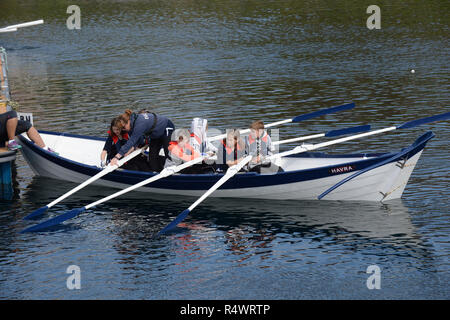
(21, 25)
(409, 124)
(296, 150)
(332, 133)
(227, 176)
(75, 212)
(406, 125)
(303, 117)
(102, 173)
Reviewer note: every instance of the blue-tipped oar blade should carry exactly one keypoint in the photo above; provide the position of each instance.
(418, 122)
(36, 213)
(341, 132)
(323, 112)
(55, 221)
(175, 222)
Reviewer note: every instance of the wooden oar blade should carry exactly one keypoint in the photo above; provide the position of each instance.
(323, 112)
(175, 222)
(36, 213)
(55, 221)
(341, 132)
(418, 122)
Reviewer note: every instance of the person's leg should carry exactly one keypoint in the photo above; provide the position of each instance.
(5, 135)
(34, 135)
(153, 154)
(11, 126)
(167, 138)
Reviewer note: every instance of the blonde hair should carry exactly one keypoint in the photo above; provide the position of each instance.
(236, 136)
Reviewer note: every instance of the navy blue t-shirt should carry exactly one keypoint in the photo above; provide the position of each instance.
(140, 125)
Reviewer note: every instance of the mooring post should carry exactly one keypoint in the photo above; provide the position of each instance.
(6, 156)
(6, 186)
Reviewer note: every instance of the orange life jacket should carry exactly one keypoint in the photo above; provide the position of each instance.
(231, 154)
(264, 138)
(186, 154)
(228, 149)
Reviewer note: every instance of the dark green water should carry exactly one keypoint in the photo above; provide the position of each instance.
(232, 62)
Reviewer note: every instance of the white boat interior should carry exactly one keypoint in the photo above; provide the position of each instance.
(87, 151)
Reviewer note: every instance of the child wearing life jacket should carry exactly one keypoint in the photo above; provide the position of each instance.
(259, 144)
(113, 144)
(116, 139)
(180, 149)
(231, 150)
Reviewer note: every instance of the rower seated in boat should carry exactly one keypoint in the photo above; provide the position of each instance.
(259, 144)
(181, 151)
(231, 151)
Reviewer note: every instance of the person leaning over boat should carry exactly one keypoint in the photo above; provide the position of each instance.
(115, 140)
(259, 144)
(155, 128)
(231, 151)
(11, 126)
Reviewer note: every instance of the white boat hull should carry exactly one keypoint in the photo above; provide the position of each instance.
(305, 179)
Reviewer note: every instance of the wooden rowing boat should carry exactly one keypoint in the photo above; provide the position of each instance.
(378, 176)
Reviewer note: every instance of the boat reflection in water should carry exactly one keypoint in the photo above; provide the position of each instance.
(366, 219)
(292, 238)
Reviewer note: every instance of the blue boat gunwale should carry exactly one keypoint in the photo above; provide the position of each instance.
(204, 181)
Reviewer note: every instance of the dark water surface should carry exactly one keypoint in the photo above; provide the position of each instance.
(232, 62)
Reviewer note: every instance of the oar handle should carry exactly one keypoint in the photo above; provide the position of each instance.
(131, 156)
